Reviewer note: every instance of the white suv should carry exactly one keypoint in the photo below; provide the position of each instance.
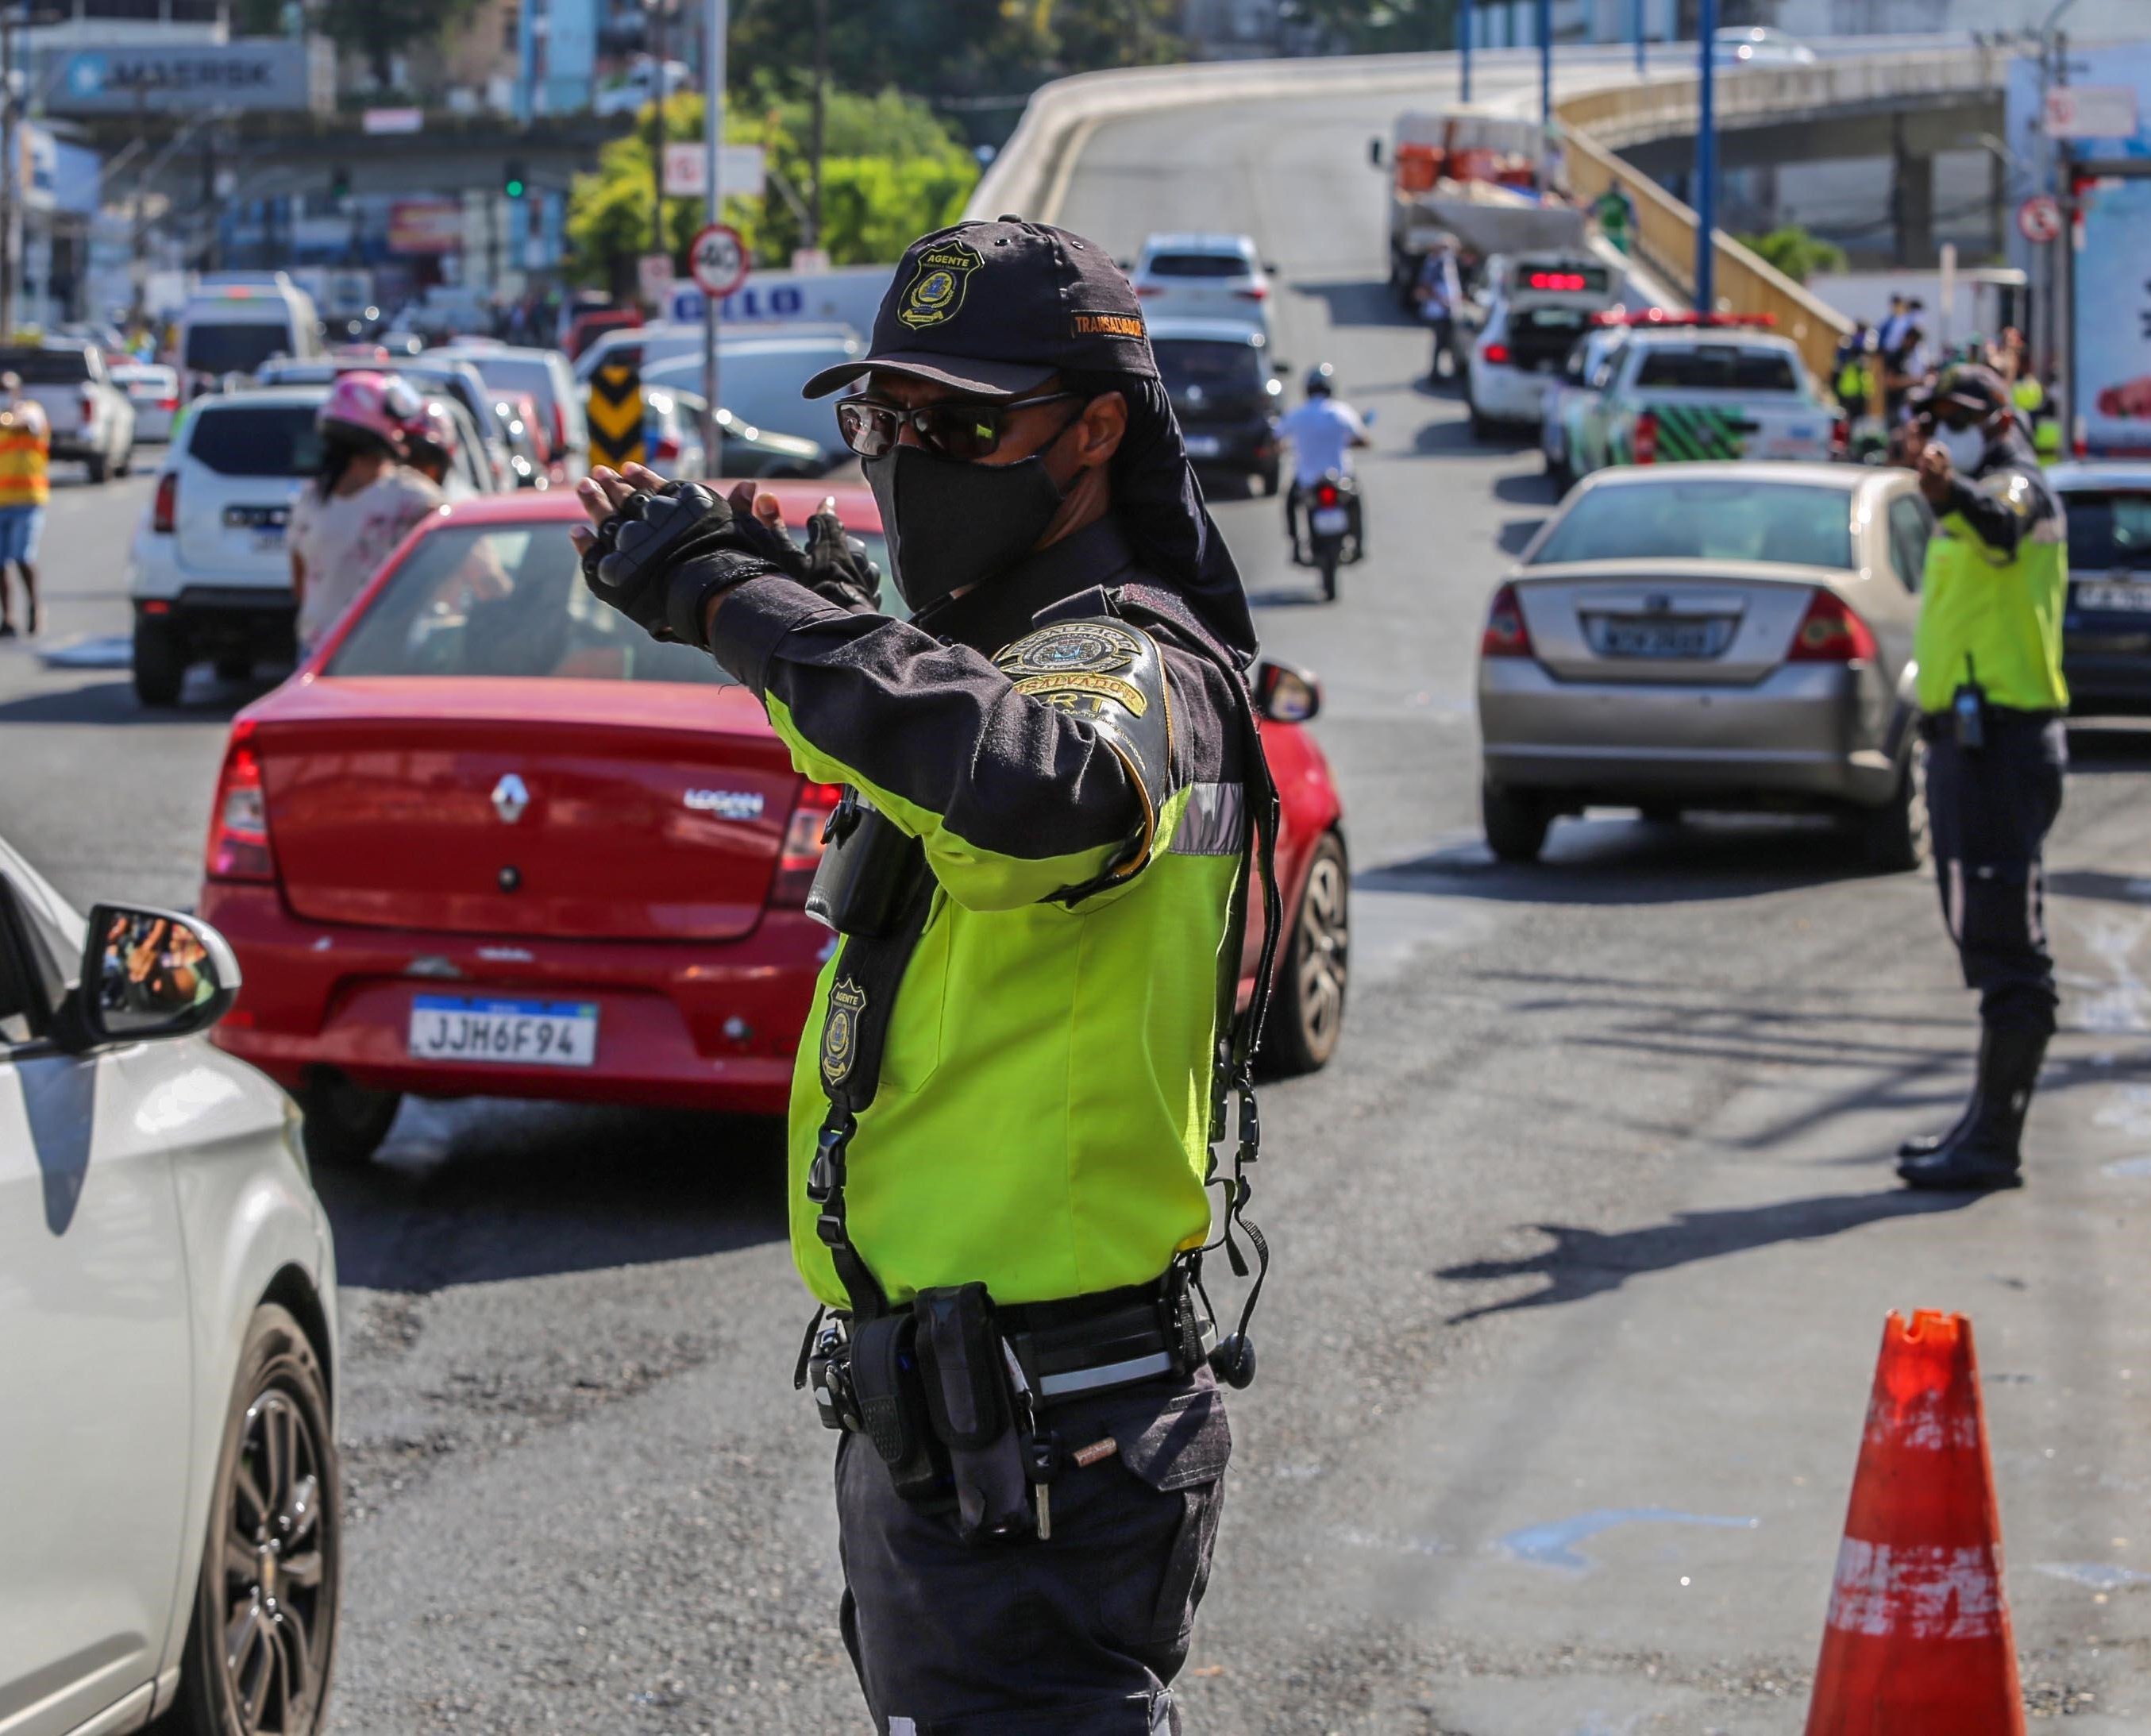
(170, 1524)
(209, 575)
(1204, 277)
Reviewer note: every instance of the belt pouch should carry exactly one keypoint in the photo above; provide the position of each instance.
(967, 1397)
(868, 872)
(891, 1394)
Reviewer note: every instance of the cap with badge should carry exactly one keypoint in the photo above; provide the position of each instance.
(1971, 390)
(992, 309)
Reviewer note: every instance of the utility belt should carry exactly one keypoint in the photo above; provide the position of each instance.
(957, 1394)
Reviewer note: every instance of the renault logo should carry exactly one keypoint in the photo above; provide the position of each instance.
(509, 799)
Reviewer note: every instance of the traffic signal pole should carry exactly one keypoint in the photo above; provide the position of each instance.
(713, 124)
(1546, 74)
(1464, 51)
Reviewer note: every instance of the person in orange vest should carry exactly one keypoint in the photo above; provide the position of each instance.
(26, 455)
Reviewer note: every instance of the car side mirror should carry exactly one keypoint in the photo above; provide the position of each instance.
(147, 974)
(1374, 152)
(1286, 694)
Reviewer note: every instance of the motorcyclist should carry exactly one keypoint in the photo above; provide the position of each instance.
(1325, 432)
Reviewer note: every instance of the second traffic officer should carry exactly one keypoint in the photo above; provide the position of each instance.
(1020, 1053)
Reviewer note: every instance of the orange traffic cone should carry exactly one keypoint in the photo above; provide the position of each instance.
(1917, 1643)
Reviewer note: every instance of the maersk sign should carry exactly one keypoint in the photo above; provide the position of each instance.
(248, 73)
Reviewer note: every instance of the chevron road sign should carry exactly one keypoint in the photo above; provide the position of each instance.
(615, 413)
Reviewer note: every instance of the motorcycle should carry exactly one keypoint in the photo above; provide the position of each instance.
(1333, 528)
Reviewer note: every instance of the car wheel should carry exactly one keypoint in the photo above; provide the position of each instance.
(263, 1635)
(1271, 479)
(99, 467)
(1893, 838)
(345, 1123)
(1515, 822)
(126, 464)
(1308, 1013)
(160, 663)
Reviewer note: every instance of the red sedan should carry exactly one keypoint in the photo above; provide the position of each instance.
(492, 841)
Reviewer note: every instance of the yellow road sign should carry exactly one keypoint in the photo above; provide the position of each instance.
(615, 414)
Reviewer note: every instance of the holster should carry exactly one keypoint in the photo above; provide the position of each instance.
(869, 873)
(968, 1399)
(891, 1399)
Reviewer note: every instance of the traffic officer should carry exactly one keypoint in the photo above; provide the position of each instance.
(1991, 697)
(1019, 1054)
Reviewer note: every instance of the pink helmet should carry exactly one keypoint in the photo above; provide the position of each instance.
(372, 404)
(432, 428)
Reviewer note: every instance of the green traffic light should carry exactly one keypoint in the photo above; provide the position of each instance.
(515, 189)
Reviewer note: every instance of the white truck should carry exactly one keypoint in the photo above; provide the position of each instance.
(1477, 177)
(91, 418)
(1717, 391)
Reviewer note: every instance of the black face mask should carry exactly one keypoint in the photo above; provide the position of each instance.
(949, 524)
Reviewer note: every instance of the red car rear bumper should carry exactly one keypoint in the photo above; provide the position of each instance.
(693, 1025)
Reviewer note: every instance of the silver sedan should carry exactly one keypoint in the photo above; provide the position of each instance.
(1684, 636)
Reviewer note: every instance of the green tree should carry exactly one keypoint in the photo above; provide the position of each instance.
(890, 171)
(1795, 252)
(382, 30)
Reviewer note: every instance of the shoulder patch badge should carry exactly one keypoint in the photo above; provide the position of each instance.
(840, 1031)
(1071, 648)
(935, 293)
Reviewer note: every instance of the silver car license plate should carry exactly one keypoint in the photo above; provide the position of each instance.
(1658, 639)
(1203, 446)
(2114, 596)
(1330, 520)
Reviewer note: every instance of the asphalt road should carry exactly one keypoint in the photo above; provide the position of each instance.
(1584, 1242)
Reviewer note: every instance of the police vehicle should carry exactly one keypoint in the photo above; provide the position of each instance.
(1723, 393)
(1545, 303)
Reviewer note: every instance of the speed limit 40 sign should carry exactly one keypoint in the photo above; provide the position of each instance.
(719, 260)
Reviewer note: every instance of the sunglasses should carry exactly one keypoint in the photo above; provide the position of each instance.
(954, 429)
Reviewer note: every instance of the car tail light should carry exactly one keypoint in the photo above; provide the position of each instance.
(1840, 437)
(1143, 291)
(1829, 632)
(666, 451)
(1325, 494)
(169, 406)
(1506, 634)
(803, 840)
(164, 510)
(239, 820)
(157, 605)
(89, 405)
(560, 426)
(1254, 293)
(1646, 442)
(1496, 355)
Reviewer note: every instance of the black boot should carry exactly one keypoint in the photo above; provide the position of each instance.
(1924, 1145)
(1984, 1151)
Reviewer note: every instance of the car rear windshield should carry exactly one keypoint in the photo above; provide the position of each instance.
(233, 349)
(1717, 368)
(2108, 530)
(1213, 365)
(256, 440)
(48, 368)
(516, 373)
(1786, 522)
(1197, 264)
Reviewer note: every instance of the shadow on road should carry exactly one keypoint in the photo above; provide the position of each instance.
(1357, 302)
(481, 1191)
(2098, 883)
(206, 700)
(1526, 489)
(1451, 435)
(1585, 1262)
(1516, 533)
(1618, 861)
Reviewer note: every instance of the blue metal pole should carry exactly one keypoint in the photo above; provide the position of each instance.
(1706, 160)
(1464, 21)
(1641, 29)
(526, 57)
(1545, 67)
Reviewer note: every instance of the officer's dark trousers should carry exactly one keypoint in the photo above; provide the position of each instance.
(1080, 1635)
(1991, 807)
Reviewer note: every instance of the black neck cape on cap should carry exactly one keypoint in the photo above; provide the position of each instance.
(993, 310)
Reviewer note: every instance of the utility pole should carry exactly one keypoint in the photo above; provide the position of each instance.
(1464, 51)
(821, 119)
(11, 232)
(713, 131)
(1545, 76)
(657, 129)
(1706, 160)
(1642, 27)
